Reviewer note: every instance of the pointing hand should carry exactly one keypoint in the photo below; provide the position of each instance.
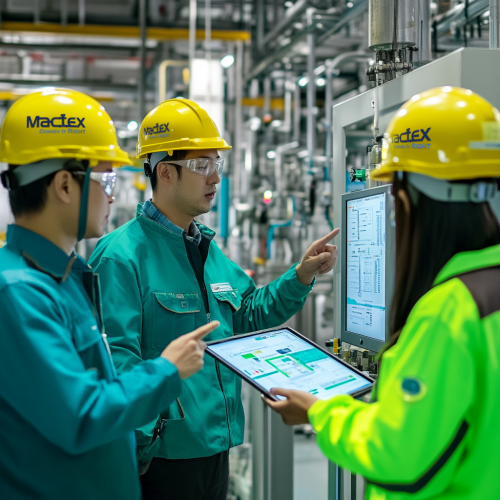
(319, 258)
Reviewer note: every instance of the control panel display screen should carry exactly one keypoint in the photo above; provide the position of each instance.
(365, 272)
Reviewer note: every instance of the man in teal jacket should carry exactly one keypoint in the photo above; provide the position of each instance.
(162, 275)
(66, 418)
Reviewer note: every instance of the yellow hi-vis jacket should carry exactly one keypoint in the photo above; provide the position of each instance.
(433, 429)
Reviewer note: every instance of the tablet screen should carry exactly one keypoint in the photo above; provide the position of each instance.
(280, 358)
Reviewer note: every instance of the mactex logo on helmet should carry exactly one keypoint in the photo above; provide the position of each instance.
(159, 130)
(71, 125)
(415, 138)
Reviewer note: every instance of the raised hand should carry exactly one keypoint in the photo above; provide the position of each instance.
(319, 258)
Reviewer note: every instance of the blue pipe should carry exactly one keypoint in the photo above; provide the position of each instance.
(224, 207)
(272, 227)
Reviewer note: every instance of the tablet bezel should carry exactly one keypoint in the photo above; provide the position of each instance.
(356, 394)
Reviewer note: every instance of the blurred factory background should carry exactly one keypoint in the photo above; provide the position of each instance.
(271, 73)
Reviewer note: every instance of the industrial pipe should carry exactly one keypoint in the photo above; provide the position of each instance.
(494, 24)
(238, 122)
(64, 12)
(208, 48)
(81, 12)
(330, 68)
(311, 93)
(287, 118)
(296, 113)
(424, 31)
(284, 223)
(278, 163)
(192, 36)
(162, 76)
(142, 52)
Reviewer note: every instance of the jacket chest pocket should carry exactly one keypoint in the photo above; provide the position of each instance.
(229, 302)
(174, 314)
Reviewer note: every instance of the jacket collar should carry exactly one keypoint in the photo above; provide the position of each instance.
(465, 262)
(196, 230)
(40, 252)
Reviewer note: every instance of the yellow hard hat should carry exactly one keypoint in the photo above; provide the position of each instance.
(446, 133)
(178, 124)
(59, 123)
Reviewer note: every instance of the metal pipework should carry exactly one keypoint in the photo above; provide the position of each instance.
(142, 56)
(392, 32)
(330, 69)
(392, 24)
(192, 35)
(278, 164)
(494, 24)
(296, 113)
(81, 12)
(424, 31)
(311, 93)
(238, 120)
(287, 118)
(162, 76)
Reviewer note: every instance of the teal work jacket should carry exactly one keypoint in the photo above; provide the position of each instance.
(66, 418)
(152, 296)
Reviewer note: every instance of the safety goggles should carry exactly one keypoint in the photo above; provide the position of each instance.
(106, 179)
(201, 166)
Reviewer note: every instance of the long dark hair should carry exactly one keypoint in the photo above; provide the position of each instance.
(426, 239)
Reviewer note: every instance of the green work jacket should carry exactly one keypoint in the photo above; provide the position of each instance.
(66, 418)
(153, 296)
(434, 428)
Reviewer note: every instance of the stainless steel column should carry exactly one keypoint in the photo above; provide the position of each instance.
(81, 12)
(297, 111)
(238, 120)
(328, 117)
(272, 453)
(424, 53)
(311, 92)
(494, 24)
(141, 88)
(192, 35)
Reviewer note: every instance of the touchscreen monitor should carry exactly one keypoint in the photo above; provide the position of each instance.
(367, 267)
(284, 358)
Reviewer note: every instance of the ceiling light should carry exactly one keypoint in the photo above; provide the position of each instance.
(320, 82)
(303, 81)
(271, 155)
(227, 61)
(255, 123)
(132, 125)
(319, 69)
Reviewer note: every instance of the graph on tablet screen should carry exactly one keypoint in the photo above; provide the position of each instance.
(281, 359)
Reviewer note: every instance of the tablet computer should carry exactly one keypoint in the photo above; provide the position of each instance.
(284, 358)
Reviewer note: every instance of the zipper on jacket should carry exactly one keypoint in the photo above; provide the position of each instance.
(217, 368)
(203, 289)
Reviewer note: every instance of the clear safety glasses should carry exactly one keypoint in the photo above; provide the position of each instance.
(106, 179)
(201, 166)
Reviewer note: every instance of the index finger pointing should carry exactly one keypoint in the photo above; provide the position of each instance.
(199, 333)
(323, 241)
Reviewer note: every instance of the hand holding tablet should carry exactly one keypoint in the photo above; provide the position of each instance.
(283, 358)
